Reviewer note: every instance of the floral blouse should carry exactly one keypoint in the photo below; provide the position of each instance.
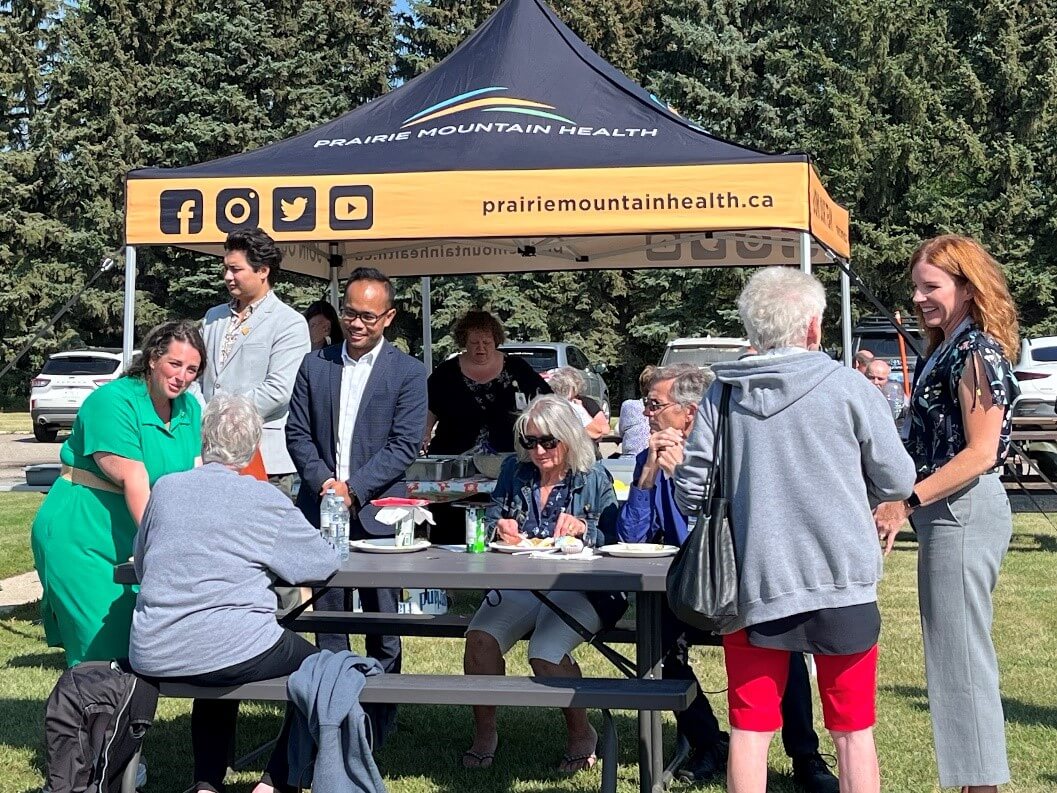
(936, 430)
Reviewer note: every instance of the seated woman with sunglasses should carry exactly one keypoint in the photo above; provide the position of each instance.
(553, 487)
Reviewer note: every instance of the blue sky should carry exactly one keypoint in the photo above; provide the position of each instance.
(401, 5)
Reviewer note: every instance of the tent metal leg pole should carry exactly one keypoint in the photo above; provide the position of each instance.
(427, 324)
(805, 251)
(128, 336)
(334, 258)
(334, 296)
(845, 315)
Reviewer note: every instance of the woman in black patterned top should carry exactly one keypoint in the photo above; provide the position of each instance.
(475, 397)
(958, 433)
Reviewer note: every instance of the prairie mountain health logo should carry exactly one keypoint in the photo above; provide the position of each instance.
(458, 115)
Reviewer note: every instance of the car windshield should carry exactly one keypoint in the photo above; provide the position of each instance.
(1044, 354)
(701, 356)
(80, 364)
(885, 347)
(541, 359)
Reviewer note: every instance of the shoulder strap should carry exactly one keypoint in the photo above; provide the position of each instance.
(720, 440)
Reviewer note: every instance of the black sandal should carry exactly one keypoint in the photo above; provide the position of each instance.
(481, 758)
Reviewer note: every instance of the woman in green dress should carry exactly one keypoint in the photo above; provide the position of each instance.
(127, 434)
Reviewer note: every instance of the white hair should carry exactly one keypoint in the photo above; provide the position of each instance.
(231, 430)
(554, 415)
(567, 382)
(776, 306)
(688, 382)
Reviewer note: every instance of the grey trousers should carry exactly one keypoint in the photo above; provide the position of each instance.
(962, 541)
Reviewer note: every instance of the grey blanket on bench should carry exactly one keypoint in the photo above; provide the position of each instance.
(329, 750)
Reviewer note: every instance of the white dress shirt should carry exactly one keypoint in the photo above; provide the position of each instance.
(354, 376)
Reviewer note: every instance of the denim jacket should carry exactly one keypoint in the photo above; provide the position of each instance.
(517, 492)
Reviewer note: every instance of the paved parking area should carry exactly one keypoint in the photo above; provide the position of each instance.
(17, 451)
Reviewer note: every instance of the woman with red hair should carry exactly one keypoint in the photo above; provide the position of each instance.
(958, 432)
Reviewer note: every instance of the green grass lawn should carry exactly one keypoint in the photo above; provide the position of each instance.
(15, 422)
(16, 515)
(423, 756)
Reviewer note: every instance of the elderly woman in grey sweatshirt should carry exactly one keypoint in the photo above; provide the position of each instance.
(208, 552)
(813, 446)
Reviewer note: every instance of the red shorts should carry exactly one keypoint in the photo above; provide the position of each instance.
(756, 678)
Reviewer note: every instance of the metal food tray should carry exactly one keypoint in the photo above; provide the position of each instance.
(430, 469)
(462, 466)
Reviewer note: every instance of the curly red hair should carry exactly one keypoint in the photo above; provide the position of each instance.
(992, 309)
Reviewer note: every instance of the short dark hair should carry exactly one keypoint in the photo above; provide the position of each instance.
(646, 379)
(157, 344)
(371, 274)
(260, 249)
(477, 320)
(323, 308)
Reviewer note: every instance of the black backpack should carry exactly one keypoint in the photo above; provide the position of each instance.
(94, 723)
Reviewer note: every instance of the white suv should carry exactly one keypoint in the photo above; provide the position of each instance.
(704, 352)
(56, 394)
(1037, 375)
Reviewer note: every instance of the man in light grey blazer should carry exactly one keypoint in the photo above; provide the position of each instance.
(256, 343)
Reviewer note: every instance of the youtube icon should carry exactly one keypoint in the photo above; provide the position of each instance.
(351, 207)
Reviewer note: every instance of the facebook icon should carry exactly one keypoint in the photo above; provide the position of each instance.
(181, 211)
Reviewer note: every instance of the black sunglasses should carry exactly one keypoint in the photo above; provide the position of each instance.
(548, 442)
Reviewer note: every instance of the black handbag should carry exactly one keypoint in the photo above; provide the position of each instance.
(702, 581)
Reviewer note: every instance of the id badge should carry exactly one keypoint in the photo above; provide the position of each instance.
(520, 402)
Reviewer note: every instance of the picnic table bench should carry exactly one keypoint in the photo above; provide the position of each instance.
(642, 691)
(526, 692)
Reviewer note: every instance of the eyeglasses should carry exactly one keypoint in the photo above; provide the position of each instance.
(366, 317)
(548, 442)
(653, 406)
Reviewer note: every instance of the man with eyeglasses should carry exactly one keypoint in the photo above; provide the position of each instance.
(357, 416)
(651, 515)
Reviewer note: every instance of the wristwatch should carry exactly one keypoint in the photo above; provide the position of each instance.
(913, 501)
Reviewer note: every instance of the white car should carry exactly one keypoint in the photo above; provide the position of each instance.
(704, 351)
(56, 394)
(1037, 375)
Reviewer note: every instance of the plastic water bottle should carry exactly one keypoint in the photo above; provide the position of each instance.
(334, 522)
(893, 392)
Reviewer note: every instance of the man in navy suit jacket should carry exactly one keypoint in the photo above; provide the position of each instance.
(357, 416)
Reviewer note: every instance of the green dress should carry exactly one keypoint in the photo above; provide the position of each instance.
(80, 533)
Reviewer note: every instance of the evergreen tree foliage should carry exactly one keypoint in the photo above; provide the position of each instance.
(156, 83)
(923, 117)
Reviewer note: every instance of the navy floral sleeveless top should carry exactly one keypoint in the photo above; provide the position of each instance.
(937, 432)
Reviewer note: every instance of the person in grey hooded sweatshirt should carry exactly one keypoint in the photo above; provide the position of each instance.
(813, 446)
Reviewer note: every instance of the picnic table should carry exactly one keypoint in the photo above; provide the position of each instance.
(438, 568)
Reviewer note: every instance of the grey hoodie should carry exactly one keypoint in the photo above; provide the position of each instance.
(813, 446)
(328, 748)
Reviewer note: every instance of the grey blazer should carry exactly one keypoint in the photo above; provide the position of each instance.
(262, 365)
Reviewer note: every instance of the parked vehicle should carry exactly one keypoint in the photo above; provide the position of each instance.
(546, 356)
(57, 393)
(704, 351)
(876, 334)
(1036, 373)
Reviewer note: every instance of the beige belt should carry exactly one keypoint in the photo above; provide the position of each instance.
(79, 476)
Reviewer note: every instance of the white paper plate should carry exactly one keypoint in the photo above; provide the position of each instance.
(387, 545)
(502, 547)
(644, 549)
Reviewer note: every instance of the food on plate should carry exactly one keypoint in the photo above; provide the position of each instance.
(569, 544)
(538, 542)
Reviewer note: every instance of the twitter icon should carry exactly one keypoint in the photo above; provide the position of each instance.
(293, 209)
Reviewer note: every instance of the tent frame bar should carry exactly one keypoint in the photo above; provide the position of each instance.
(129, 324)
